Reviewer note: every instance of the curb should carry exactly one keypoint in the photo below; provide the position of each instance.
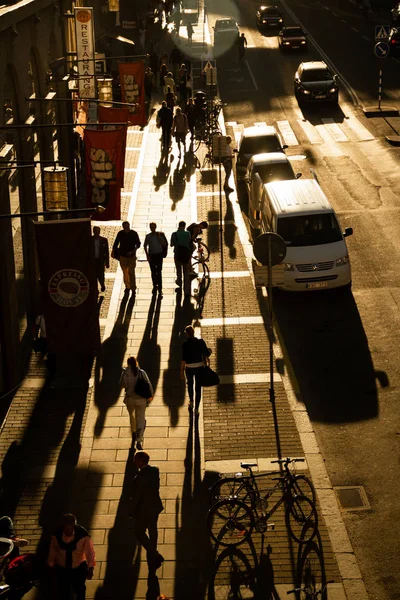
(375, 111)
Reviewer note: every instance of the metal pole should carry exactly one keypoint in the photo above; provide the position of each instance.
(271, 350)
(380, 89)
(220, 191)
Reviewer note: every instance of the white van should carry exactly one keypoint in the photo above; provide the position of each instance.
(317, 255)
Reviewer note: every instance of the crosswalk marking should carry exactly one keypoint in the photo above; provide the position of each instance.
(361, 132)
(334, 129)
(287, 133)
(310, 131)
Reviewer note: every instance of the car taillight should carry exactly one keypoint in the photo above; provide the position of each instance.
(393, 41)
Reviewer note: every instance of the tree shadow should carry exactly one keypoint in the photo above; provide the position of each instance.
(110, 362)
(173, 386)
(149, 354)
(123, 553)
(193, 560)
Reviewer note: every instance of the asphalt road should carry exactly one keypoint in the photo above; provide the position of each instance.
(342, 346)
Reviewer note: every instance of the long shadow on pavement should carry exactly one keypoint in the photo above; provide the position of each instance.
(193, 548)
(173, 386)
(328, 349)
(110, 362)
(149, 354)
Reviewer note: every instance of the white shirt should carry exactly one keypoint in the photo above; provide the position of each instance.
(42, 325)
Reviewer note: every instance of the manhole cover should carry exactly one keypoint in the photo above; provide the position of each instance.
(352, 497)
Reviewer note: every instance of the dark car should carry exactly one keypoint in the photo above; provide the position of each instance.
(226, 32)
(315, 82)
(268, 16)
(292, 38)
(394, 41)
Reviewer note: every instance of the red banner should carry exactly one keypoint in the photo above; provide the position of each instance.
(69, 285)
(105, 157)
(132, 90)
(115, 115)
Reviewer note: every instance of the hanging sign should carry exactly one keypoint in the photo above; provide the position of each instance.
(84, 29)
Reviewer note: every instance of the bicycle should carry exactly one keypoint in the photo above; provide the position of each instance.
(234, 520)
(245, 487)
(312, 583)
(202, 254)
(232, 577)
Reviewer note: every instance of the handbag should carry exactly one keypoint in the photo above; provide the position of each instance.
(142, 387)
(164, 244)
(208, 377)
(115, 253)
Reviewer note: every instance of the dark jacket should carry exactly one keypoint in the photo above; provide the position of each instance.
(145, 501)
(166, 116)
(128, 243)
(104, 253)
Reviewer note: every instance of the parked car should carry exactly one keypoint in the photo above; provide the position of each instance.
(256, 140)
(268, 16)
(292, 38)
(315, 82)
(262, 169)
(394, 41)
(226, 32)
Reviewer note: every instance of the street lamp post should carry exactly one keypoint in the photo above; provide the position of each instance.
(98, 209)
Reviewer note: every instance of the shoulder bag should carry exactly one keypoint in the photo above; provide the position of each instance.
(208, 377)
(142, 387)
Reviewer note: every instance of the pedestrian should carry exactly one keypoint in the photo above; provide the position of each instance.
(227, 161)
(154, 65)
(124, 249)
(164, 59)
(177, 18)
(145, 508)
(182, 83)
(169, 81)
(155, 245)
(73, 558)
(180, 128)
(142, 35)
(101, 256)
(180, 241)
(170, 98)
(148, 84)
(163, 75)
(7, 531)
(190, 112)
(242, 45)
(195, 355)
(189, 29)
(133, 378)
(165, 116)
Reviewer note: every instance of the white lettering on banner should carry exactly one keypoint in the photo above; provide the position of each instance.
(84, 28)
(132, 93)
(103, 171)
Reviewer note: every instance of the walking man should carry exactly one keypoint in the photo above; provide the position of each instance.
(180, 128)
(195, 355)
(227, 161)
(146, 505)
(73, 558)
(155, 245)
(242, 45)
(124, 249)
(180, 241)
(165, 117)
(189, 29)
(101, 256)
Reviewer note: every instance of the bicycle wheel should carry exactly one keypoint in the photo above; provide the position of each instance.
(203, 276)
(196, 144)
(204, 250)
(311, 575)
(228, 487)
(301, 519)
(232, 578)
(230, 522)
(300, 485)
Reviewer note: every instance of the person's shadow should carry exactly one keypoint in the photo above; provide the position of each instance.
(109, 364)
(162, 172)
(190, 162)
(230, 229)
(149, 353)
(177, 185)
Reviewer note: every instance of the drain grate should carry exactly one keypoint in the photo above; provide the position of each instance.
(352, 497)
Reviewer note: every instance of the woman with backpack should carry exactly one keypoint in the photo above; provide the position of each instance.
(138, 393)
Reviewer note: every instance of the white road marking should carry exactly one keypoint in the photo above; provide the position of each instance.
(310, 131)
(329, 148)
(361, 132)
(228, 274)
(251, 75)
(219, 321)
(287, 133)
(335, 130)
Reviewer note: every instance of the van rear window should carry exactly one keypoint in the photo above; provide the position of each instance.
(309, 230)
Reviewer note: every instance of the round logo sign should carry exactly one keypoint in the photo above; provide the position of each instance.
(83, 16)
(68, 288)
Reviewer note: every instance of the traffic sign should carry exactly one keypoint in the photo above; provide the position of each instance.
(381, 50)
(269, 246)
(381, 32)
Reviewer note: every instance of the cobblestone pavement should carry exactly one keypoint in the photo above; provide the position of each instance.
(67, 448)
